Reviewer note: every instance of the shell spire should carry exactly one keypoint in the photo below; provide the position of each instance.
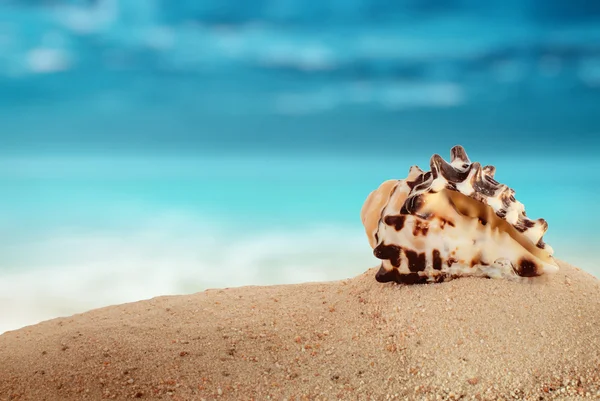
(414, 172)
(458, 154)
(489, 171)
(452, 221)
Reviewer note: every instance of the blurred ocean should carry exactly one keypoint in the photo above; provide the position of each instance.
(151, 147)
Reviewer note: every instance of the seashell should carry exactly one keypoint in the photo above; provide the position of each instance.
(455, 220)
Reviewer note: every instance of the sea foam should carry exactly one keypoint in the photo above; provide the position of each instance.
(69, 271)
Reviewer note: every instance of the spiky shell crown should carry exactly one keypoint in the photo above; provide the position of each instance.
(454, 220)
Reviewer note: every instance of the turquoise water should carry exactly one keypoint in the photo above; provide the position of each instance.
(81, 232)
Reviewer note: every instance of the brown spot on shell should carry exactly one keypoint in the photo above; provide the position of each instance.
(527, 268)
(395, 221)
(420, 228)
(411, 278)
(477, 261)
(437, 260)
(416, 261)
(386, 276)
(388, 252)
(451, 261)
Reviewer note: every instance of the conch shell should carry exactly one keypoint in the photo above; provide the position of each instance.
(452, 221)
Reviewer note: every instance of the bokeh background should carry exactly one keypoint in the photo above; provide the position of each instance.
(152, 147)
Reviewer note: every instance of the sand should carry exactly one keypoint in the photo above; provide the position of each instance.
(355, 339)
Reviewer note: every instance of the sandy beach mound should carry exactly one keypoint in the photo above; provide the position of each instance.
(470, 338)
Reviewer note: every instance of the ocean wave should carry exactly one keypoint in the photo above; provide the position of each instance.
(68, 271)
